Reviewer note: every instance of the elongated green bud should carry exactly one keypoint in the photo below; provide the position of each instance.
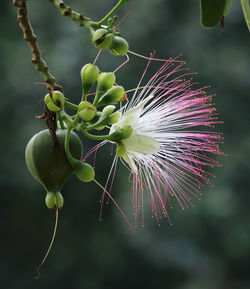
(114, 117)
(102, 38)
(85, 172)
(55, 102)
(113, 95)
(59, 200)
(119, 46)
(86, 110)
(105, 81)
(89, 75)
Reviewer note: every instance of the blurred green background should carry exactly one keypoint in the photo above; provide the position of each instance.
(208, 246)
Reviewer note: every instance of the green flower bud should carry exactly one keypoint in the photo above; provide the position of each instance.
(106, 80)
(119, 46)
(59, 200)
(108, 110)
(120, 150)
(89, 75)
(113, 95)
(102, 38)
(114, 117)
(50, 200)
(85, 172)
(86, 110)
(100, 127)
(54, 102)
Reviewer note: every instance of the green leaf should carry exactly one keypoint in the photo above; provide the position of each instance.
(211, 12)
(228, 4)
(246, 10)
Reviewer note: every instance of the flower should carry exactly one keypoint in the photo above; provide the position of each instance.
(171, 142)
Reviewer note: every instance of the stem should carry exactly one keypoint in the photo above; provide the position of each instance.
(66, 147)
(65, 10)
(30, 37)
(71, 105)
(111, 12)
(50, 246)
(95, 137)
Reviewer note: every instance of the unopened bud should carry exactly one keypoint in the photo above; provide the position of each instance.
(108, 109)
(114, 117)
(85, 172)
(106, 80)
(59, 200)
(113, 95)
(89, 75)
(119, 46)
(50, 200)
(55, 101)
(86, 110)
(102, 38)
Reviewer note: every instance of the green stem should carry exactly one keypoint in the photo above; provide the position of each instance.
(66, 147)
(71, 105)
(95, 137)
(111, 12)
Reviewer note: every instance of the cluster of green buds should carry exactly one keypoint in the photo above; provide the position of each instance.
(105, 38)
(96, 111)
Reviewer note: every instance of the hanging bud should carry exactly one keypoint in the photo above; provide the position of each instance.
(59, 200)
(119, 46)
(55, 101)
(102, 38)
(86, 110)
(85, 172)
(113, 95)
(89, 75)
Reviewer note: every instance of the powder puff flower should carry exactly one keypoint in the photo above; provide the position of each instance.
(170, 141)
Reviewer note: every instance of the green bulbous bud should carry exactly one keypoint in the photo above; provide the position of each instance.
(119, 46)
(89, 75)
(114, 117)
(102, 38)
(120, 150)
(113, 95)
(86, 110)
(106, 80)
(54, 102)
(108, 110)
(50, 200)
(85, 172)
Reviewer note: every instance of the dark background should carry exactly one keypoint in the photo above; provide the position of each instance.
(208, 246)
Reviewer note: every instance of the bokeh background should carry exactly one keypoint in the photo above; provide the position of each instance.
(208, 246)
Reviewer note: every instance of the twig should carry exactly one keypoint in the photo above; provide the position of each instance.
(68, 12)
(30, 37)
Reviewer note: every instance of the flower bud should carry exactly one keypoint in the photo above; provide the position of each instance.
(50, 200)
(86, 110)
(85, 172)
(114, 117)
(106, 80)
(102, 38)
(89, 75)
(55, 102)
(108, 109)
(113, 95)
(119, 46)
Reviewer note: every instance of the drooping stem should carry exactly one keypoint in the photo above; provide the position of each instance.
(50, 246)
(71, 105)
(65, 10)
(94, 137)
(30, 37)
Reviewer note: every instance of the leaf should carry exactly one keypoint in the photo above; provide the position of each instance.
(228, 4)
(211, 12)
(246, 10)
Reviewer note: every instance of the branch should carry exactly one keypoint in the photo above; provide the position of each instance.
(67, 11)
(30, 37)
